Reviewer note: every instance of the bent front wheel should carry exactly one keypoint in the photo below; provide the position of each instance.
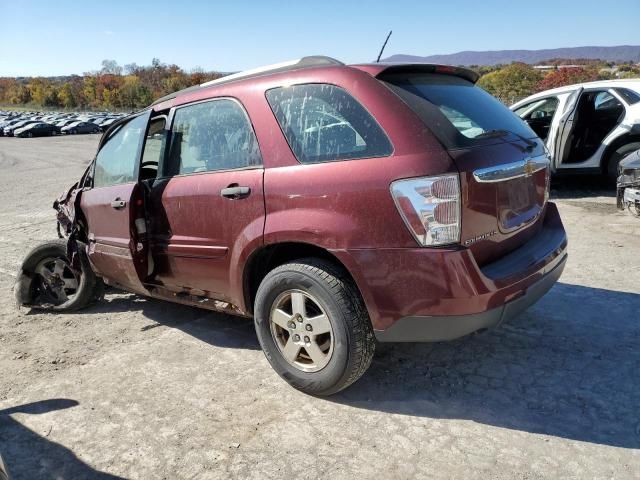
(47, 280)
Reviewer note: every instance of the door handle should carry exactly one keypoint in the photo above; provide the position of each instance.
(235, 192)
(118, 203)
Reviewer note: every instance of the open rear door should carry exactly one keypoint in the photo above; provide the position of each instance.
(560, 133)
(114, 205)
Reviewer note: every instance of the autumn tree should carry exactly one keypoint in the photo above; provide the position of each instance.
(567, 76)
(67, 96)
(106, 88)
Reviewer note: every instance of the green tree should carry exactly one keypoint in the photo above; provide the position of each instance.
(111, 67)
(89, 90)
(512, 82)
(67, 96)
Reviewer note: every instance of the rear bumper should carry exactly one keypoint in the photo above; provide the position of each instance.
(423, 294)
(436, 329)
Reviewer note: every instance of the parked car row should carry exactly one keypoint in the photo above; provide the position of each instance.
(38, 124)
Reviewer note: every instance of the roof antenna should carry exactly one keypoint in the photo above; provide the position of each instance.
(384, 45)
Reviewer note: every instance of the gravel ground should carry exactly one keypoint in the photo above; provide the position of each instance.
(138, 388)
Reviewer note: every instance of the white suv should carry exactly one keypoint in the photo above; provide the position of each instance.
(588, 127)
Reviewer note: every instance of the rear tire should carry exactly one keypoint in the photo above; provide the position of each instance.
(335, 342)
(46, 280)
(616, 157)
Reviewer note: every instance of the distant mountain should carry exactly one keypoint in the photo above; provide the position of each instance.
(620, 53)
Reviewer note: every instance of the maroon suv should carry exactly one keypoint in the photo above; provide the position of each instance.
(337, 205)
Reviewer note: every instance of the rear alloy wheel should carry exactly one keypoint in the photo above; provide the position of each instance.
(301, 330)
(313, 326)
(47, 280)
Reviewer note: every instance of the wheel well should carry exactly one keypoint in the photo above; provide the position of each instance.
(615, 145)
(269, 257)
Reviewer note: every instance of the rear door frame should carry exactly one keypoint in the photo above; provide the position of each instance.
(564, 127)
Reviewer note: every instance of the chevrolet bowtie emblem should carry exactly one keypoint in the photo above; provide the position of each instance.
(529, 168)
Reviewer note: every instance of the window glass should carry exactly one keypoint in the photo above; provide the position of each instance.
(606, 101)
(213, 135)
(153, 148)
(629, 96)
(539, 115)
(459, 113)
(539, 109)
(116, 160)
(323, 123)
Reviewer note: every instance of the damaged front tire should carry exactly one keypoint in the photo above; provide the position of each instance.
(48, 281)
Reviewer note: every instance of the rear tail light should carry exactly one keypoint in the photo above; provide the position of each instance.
(430, 207)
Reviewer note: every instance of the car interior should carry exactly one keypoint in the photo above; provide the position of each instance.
(597, 114)
(539, 119)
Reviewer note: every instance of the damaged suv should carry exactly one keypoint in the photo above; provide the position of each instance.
(336, 205)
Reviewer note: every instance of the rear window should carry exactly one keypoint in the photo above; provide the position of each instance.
(458, 113)
(323, 123)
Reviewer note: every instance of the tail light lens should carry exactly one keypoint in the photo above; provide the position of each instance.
(430, 207)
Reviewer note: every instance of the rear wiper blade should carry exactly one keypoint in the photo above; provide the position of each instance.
(531, 144)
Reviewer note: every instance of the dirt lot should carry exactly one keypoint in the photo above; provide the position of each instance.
(142, 389)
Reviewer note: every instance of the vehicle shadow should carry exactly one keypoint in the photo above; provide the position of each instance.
(569, 367)
(29, 455)
(214, 328)
(580, 186)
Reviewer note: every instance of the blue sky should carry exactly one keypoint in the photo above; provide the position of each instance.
(58, 37)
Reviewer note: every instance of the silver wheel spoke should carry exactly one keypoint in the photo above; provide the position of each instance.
(316, 354)
(296, 334)
(58, 269)
(44, 272)
(320, 324)
(281, 318)
(297, 304)
(70, 283)
(291, 350)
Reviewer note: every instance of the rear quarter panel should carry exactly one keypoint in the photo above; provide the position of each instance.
(344, 204)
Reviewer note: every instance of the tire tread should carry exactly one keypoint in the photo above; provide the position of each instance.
(351, 304)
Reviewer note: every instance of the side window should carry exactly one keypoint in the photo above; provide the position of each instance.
(209, 136)
(116, 160)
(544, 110)
(323, 123)
(606, 101)
(539, 115)
(153, 148)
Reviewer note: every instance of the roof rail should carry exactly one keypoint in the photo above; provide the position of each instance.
(304, 62)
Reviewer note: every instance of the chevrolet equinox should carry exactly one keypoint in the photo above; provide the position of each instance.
(338, 205)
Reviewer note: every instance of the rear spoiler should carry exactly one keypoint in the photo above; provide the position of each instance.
(380, 69)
